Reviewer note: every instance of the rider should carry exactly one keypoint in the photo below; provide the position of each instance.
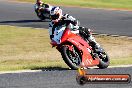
(43, 6)
(56, 16)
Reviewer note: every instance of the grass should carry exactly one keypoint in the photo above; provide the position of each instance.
(119, 49)
(113, 4)
(122, 61)
(28, 48)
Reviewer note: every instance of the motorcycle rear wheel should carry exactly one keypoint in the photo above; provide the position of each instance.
(72, 58)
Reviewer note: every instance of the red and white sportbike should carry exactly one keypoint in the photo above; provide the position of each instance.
(76, 51)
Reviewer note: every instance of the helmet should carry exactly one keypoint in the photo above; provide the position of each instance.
(55, 13)
(39, 2)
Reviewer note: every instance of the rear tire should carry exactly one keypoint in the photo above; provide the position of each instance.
(72, 59)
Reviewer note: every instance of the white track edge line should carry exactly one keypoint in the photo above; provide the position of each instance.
(33, 71)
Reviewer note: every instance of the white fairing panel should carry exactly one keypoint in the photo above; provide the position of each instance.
(58, 34)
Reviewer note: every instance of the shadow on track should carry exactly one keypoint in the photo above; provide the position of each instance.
(51, 68)
(57, 68)
(22, 21)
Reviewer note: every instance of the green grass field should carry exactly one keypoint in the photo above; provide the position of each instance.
(112, 4)
(28, 48)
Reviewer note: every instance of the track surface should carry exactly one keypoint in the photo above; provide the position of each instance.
(102, 21)
(110, 22)
(58, 79)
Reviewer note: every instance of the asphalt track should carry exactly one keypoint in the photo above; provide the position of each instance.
(58, 79)
(103, 21)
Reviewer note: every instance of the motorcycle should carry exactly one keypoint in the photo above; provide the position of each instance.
(43, 13)
(76, 51)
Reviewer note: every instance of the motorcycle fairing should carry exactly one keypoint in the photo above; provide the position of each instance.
(82, 45)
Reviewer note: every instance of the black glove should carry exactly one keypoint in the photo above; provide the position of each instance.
(51, 36)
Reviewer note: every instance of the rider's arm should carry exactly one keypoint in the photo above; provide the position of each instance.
(45, 5)
(71, 19)
(60, 16)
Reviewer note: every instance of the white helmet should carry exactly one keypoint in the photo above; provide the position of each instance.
(55, 13)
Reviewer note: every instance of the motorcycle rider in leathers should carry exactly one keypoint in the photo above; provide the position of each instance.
(56, 16)
(43, 6)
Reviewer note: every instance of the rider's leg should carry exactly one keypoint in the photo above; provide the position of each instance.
(93, 41)
(85, 32)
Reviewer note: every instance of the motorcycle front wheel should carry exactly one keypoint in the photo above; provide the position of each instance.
(104, 60)
(71, 55)
(40, 16)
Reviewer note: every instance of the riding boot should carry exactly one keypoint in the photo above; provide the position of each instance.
(93, 43)
(86, 33)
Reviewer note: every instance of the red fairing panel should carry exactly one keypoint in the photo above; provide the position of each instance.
(82, 45)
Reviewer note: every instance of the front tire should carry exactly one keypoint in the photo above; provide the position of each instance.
(40, 16)
(104, 60)
(71, 57)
